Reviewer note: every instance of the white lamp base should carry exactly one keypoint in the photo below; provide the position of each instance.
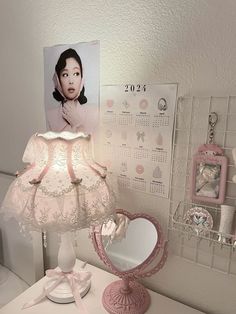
(63, 294)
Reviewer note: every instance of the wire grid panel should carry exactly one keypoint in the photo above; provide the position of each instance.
(191, 130)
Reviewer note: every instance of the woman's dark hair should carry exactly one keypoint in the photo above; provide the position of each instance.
(61, 63)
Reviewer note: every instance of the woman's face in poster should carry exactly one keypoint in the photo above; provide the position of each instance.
(70, 79)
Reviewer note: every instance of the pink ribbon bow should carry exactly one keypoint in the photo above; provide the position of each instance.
(75, 280)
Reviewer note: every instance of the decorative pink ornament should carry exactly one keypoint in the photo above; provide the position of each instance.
(143, 104)
(110, 103)
(199, 218)
(139, 169)
(209, 173)
(209, 169)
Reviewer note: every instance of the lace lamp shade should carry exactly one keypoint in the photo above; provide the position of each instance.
(62, 188)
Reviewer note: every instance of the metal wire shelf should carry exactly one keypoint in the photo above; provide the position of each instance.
(191, 129)
(213, 235)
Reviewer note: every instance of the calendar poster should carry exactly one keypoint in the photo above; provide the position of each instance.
(136, 132)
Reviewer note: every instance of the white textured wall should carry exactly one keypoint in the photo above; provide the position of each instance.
(20, 253)
(191, 42)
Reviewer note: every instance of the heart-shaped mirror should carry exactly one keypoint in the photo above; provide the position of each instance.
(134, 249)
(130, 247)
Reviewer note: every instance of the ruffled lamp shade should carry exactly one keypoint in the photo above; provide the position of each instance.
(62, 189)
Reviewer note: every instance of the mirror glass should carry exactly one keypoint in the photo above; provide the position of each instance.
(138, 243)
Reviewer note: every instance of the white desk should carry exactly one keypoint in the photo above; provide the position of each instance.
(92, 301)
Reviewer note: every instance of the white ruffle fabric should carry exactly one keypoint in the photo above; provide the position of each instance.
(63, 188)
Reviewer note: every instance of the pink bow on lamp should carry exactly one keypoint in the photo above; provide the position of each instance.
(75, 280)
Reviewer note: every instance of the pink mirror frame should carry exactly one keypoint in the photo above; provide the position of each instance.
(216, 157)
(132, 296)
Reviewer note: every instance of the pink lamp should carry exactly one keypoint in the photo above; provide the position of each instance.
(62, 189)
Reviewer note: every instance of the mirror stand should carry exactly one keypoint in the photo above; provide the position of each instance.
(126, 296)
(139, 249)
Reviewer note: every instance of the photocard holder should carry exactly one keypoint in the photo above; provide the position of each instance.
(209, 170)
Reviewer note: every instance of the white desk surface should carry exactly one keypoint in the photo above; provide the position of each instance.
(92, 301)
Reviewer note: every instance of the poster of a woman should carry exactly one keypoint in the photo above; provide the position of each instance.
(71, 84)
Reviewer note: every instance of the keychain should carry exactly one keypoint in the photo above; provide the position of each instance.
(209, 169)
